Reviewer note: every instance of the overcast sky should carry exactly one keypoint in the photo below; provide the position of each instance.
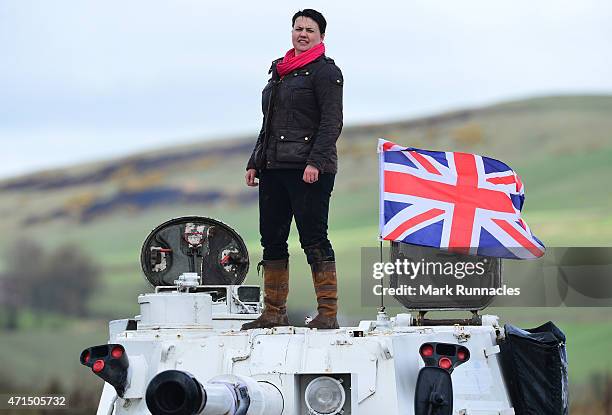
(89, 80)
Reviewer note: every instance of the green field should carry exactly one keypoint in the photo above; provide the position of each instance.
(561, 147)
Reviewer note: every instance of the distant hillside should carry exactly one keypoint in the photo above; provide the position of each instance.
(561, 146)
(517, 132)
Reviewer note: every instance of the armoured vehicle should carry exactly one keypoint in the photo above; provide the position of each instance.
(185, 354)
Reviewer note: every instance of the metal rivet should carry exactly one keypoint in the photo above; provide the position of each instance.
(307, 73)
(282, 137)
(337, 80)
(306, 138)
(295, 74)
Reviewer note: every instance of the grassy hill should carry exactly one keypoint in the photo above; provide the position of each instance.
(561, 146)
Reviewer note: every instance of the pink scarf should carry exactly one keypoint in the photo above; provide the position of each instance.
(291, 62)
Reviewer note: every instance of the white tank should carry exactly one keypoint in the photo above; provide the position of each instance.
(185, 354)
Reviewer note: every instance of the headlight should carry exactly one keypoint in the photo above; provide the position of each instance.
(324, 396)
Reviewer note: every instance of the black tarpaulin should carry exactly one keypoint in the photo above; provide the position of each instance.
(534, 363)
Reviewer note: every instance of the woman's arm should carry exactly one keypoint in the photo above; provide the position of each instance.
(328, 92)
(251, 163)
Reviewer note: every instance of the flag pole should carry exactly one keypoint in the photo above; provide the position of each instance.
(382, 281)
(381, 210)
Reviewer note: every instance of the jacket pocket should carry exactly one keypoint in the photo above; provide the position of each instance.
(303, 97)
(293, 148)
(303, 114)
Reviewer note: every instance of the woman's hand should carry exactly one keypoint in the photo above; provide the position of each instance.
(311, 174)
(250, 177)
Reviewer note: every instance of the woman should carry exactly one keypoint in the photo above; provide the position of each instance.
(295, 160)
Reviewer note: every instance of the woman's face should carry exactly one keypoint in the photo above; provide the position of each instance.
(305, 34)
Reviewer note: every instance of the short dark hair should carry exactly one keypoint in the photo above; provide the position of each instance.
(314, 15)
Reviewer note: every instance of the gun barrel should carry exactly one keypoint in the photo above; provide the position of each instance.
(220, 399)
(175, 392)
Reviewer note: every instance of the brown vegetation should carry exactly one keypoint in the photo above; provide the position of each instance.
(468, 134)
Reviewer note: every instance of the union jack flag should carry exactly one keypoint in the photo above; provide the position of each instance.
(459, 202)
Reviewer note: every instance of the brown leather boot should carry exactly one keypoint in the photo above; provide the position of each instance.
(276, 289)
(326, 288)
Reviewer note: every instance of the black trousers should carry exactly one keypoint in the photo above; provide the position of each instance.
(283, 195)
